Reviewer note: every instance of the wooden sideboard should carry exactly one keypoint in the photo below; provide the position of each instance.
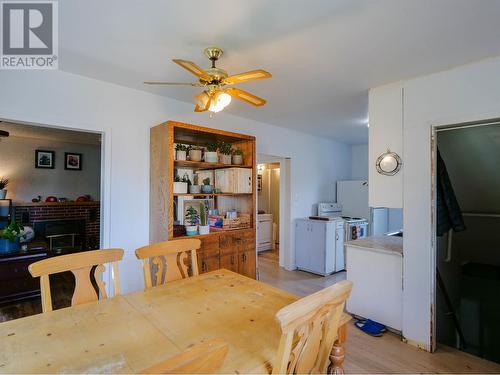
(231, 249)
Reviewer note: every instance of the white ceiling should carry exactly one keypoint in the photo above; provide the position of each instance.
(51, 134)
(324, 54)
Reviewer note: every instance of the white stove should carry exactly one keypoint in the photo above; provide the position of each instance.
(355, 227)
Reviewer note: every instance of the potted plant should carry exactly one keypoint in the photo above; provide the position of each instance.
(225, 152)
(207, 188)
(9, 238)
(211, 153)
(237, 157)
(195, 188)
(191, 219)
(204, 228)
(195, 153)
(180, 151)
(180, 185)
(3, 184)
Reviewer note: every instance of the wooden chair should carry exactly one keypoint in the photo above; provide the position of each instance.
(309, 328)
(205, 358)
(169, 259)
(80, 264)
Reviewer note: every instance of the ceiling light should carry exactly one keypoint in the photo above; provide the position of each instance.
(219, 101)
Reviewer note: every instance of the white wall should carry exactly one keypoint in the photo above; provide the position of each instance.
(467, 93)
(125, 116)
(17, 155)
(359, 162)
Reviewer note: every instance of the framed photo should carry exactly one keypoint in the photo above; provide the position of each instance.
(44, 159)
(72, 161)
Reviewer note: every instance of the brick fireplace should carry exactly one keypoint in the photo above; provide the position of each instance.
(86, 212)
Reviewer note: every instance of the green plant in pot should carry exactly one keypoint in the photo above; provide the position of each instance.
(191, 220)
(195, 188)
(181, 151)
(9, 238)
(180, 185)
(204, 228)
(237, 157)
(225, 152)
(207, 188)
(3, 184)
(211, 153)
(195, 153)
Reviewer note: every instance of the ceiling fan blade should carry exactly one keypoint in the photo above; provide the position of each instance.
(246, 97)
(193, 68)
(247, 76)
(202, 102)
(195, 84)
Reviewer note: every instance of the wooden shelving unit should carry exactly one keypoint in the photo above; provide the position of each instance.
(231, 249)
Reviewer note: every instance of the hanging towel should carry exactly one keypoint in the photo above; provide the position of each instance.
(449, 215)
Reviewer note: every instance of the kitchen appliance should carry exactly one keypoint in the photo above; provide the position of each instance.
(354, 227)
(319, 245)
(352, 195)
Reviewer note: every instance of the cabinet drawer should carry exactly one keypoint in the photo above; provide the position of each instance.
(229, 244)
(210, 246)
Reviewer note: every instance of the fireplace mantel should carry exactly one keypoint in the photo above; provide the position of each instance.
(70, 203)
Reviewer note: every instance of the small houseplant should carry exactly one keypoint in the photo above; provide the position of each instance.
(9, 238)
(180, 185)
(207, 188)
(237, 157)
(195, 188)
(180, 151)
(204, 228)
(225, 152)
(211, 153)
(191, 219)
(3, 184)
(195, 154)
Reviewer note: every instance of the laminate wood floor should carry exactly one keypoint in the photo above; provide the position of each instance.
(366, 354)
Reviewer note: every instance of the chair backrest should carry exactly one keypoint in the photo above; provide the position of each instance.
(169, 261)
(80, 264)
(309, 329)
(205, 358)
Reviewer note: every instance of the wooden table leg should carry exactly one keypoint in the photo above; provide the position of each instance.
(338, 352)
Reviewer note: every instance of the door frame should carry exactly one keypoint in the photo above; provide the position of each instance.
(435, 129)
(105, 183)
(285, 253)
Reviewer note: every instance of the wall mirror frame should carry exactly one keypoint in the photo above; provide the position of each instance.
(389, 163)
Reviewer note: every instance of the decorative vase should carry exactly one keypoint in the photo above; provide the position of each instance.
(191, 230)
(180, 155)
(237, 159)
(195, 155)
(7, 246)
(3, 193)
(195, 189)
(207, 189)
(180, 187)
(211, 156)
(204, 229)
(225, 159)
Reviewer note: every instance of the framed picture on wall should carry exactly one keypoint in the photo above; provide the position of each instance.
(44, 159)
(72, 161)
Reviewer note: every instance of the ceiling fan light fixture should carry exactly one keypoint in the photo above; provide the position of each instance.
(219, 101)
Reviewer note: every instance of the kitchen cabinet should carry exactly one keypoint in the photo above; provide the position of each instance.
(247, 263)
(385, 132)
(375, 266)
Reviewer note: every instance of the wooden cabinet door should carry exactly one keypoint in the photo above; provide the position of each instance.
(207, 264)
(246, 263)
(229, 262)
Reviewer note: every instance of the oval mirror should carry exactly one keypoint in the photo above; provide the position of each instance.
(389, 163)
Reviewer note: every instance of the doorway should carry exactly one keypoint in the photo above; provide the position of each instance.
(268, 215)
(467, 237)
(54, 193)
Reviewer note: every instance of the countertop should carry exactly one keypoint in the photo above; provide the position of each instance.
(386, 244)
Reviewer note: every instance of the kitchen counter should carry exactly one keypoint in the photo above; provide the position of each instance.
(392, 244)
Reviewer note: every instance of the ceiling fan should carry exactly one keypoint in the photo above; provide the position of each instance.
(216, 96)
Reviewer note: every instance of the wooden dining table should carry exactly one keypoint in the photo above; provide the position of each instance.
(131, 332)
